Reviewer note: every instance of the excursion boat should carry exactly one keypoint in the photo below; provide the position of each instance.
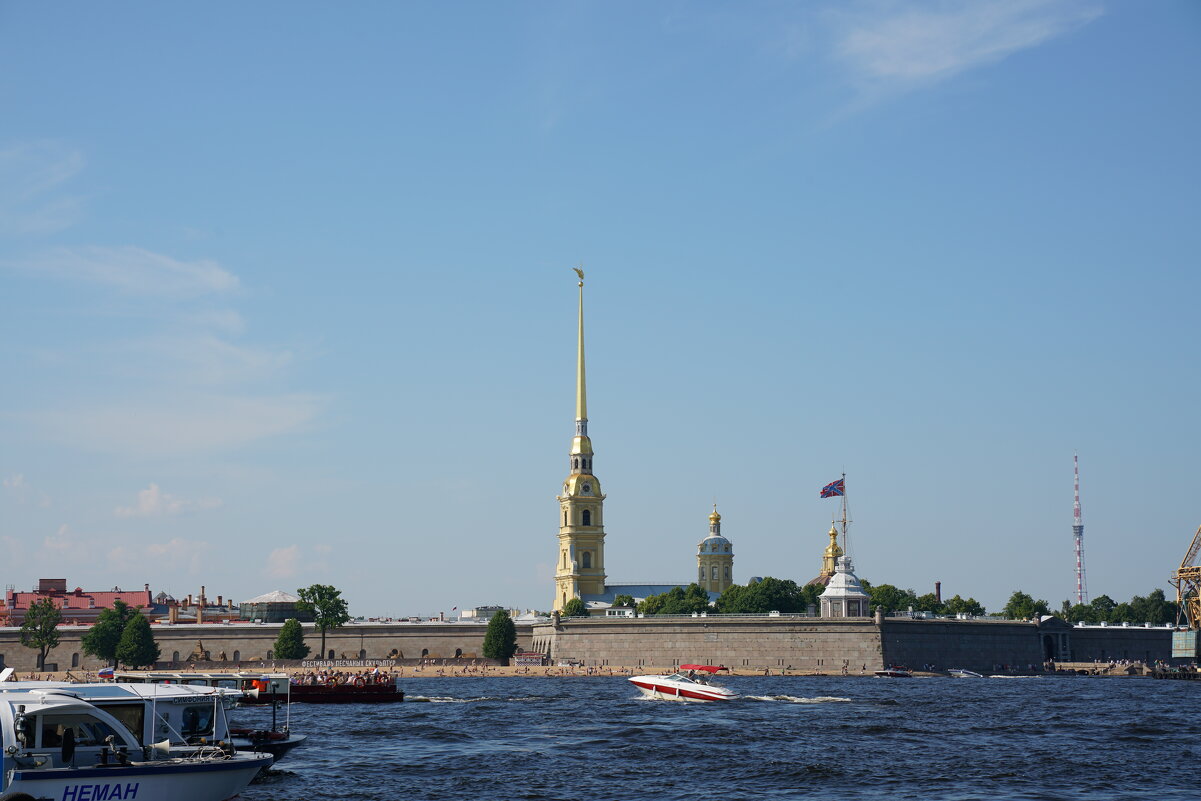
(276, 687)
(687, 684)
(243, 686)
(893, 672)
(56, 745)
(347, 693)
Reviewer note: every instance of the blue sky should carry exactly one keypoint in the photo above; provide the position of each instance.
(286, 293)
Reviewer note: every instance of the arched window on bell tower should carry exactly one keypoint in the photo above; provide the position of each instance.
(587, 559)
(586, 517)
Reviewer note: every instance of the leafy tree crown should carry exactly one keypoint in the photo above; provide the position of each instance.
(500, 640)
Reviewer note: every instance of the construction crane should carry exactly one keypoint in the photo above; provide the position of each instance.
(1187, 581)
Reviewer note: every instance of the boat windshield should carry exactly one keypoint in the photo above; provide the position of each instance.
(698, 678)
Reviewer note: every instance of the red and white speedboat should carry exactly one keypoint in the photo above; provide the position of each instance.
(690, 683)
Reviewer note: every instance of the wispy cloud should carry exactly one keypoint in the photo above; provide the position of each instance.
(283, 562)
(131, 270)
(153, 502)
(17, 487)
(157, 557)
(32, 175)
(900, 45)
(180, 424)
(60, 542)
(202, 358)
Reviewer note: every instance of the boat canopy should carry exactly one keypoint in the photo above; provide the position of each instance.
(706, 668)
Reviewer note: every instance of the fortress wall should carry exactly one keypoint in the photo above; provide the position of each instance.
(807, 644)
(978, 645)
(1111, 643)
(254, 641)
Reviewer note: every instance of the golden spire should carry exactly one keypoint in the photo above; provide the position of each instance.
(581, 395)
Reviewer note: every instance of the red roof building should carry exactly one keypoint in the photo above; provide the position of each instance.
(77, 605)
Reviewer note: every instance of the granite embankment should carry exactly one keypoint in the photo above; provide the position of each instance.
(753, 644)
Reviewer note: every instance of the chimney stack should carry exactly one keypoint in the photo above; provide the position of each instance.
(938, 591)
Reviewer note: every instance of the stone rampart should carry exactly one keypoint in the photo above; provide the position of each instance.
(802, 644)
(1112, 643)
(980, 645)
(827, 645)
(249, 642)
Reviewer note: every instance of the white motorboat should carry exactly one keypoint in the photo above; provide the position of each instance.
(690, 683)
(58, 745)
(960, 673)
(893, 672)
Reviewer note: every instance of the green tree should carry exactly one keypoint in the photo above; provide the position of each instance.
(137, 647)
(500, 641)
(929, 603)
(40, 629)
(1153, 609)
(290, 642)
(623, 600)
(768, 595)
(890, 598)
(326, 605)
(1103, 608)
(811, 595)
(1080, 613)
(575, 608)
(1023, 607)
(958, 606)
(677, 601)
(102, 639)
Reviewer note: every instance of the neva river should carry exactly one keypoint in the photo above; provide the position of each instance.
(594, 739)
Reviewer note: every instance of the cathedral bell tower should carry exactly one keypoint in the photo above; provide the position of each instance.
(580, 567)
(715, 558)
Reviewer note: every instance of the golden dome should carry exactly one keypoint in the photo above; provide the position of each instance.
(715, 517)
(581, 446)
(832, 550)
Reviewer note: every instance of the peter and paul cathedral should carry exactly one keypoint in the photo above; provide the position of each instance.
(580, 569)
(580, 563)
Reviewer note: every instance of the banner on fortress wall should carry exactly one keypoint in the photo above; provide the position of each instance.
(1184, 644)
(330, 663)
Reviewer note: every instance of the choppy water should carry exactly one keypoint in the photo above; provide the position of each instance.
(788, 737)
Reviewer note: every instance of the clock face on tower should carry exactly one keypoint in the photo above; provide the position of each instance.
(587, 488)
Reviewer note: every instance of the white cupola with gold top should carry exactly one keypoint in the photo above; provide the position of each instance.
(580, 566)
(715, 558)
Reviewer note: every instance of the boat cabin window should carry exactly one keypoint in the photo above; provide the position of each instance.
(197, 719)
(132, 716)
(226, 684)
(198, 682)
(86, 729)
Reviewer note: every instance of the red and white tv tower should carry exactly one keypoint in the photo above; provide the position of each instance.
(1078, 533)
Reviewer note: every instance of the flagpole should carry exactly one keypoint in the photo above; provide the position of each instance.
(846, 545)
